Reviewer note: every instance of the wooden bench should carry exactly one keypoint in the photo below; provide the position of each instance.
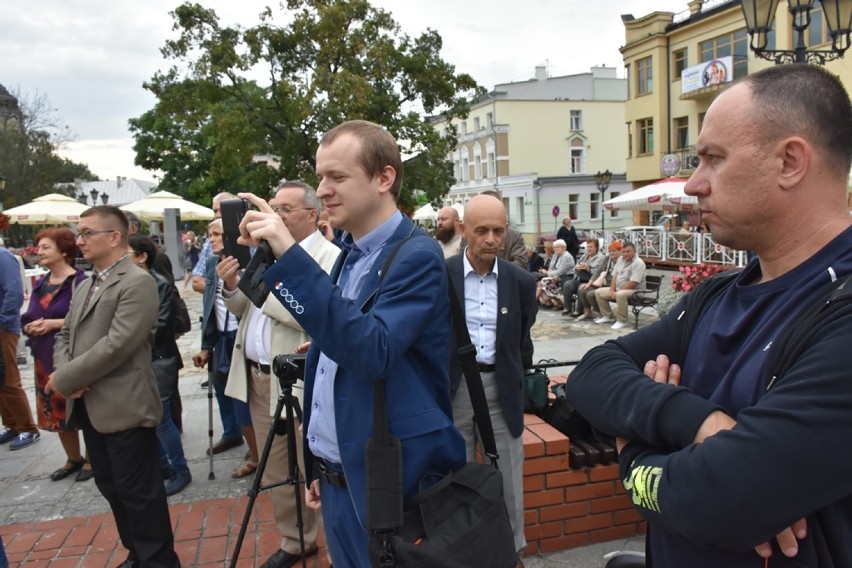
(646, 298)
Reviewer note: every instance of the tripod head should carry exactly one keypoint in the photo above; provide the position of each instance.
(289, 369)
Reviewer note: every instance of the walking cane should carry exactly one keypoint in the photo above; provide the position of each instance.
(210, 372)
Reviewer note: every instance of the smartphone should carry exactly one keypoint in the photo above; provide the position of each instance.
(233, 211)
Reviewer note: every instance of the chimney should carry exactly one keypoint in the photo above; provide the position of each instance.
(118, 181)
(695, 7)
(541, 73)
(78, 184)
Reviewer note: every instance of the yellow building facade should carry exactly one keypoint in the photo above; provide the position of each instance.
(660, 118)
(539, 143)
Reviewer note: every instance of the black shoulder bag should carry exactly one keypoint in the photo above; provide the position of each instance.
(458, 522)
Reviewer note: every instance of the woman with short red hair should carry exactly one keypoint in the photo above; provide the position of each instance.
(49, 304)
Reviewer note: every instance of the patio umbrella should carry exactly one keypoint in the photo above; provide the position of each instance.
(425, 213)
(50, 209)
(152, 207)
(652, 197)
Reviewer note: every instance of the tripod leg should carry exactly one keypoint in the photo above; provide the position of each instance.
(255, 486)
(293, 403)
(210, 475)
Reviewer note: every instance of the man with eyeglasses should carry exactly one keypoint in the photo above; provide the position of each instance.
(263, 334)
(103, 368)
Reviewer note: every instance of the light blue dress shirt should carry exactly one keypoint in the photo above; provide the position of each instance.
(322, 432)
(480, 309)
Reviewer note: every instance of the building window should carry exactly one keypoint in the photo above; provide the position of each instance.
(816, 29)
(629, 76)
(465, 170)
(489, 118)
(679, 62)
(476, 124)
(629, 139)
(645, 127)
(520, 204)
(577, 161)
(701, 121)
(492, 165)
(644, 77)
(734, 44)
(464, 127)
(681, 132)
(576, 120)
(613, 195)
(594, 205)
(477, 167)
(457, 170)
(573, 201)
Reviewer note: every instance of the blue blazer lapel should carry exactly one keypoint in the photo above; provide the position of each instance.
(371, 282)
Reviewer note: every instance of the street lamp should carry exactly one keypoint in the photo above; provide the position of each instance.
(94, 193)
(602, 180)
(759, 17)
(81, 197)
(104, 198)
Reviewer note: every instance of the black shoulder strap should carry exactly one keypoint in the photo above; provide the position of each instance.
(830, 302)
(698, 300)
(467, 358)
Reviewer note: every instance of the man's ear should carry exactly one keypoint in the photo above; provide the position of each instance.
(795, 155)
(386, 178)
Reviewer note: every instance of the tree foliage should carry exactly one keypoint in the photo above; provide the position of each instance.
(233, 92)
(29, 137)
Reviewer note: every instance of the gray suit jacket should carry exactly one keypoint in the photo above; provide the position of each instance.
(516, 311)
(107, 348)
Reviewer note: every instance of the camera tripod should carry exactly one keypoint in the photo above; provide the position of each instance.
(279, 427)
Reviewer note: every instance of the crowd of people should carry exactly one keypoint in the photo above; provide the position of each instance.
(694, 399)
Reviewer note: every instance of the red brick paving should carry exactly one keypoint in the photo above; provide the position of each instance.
(205, 535)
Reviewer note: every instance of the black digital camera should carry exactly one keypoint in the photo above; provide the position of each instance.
(289, 368)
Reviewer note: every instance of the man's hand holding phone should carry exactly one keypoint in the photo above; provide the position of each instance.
(264, 225)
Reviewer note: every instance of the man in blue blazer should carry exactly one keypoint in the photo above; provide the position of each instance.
(365, 327)
(498, 300)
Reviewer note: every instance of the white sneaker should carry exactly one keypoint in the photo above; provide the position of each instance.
(604, 319)
(582, 317)
(620, 325)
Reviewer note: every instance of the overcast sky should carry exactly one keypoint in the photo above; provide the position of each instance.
(90, 57)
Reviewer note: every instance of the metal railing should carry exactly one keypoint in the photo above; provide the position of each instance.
(654, 244)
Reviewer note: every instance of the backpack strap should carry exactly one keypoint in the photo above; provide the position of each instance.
(831, 302)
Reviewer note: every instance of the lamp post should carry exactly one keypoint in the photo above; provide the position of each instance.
(104, 198)
(81, 197)
(94, 193)
(759, 17)
(602, 180)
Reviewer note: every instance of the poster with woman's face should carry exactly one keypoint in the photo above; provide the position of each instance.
(715, 73)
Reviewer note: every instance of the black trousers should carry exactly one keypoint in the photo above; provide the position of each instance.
(127, 472)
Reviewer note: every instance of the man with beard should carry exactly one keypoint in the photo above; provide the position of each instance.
(447, 231)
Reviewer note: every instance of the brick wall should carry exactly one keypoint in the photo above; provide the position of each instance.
(566, 508)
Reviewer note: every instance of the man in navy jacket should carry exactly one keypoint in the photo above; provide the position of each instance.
(729, 458)
(365, 327)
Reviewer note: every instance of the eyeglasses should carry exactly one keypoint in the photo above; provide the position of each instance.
(88, 233)
(286, 209)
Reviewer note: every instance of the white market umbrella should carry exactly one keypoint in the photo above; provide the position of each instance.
(652, 197)
(425, 213)
(152, 207)
(50, 209)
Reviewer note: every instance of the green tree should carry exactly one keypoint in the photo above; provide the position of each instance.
(334, 60)
(30, 134)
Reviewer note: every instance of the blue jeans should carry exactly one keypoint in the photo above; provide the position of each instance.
(171, 448)
(230, 427)
(4, 561)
